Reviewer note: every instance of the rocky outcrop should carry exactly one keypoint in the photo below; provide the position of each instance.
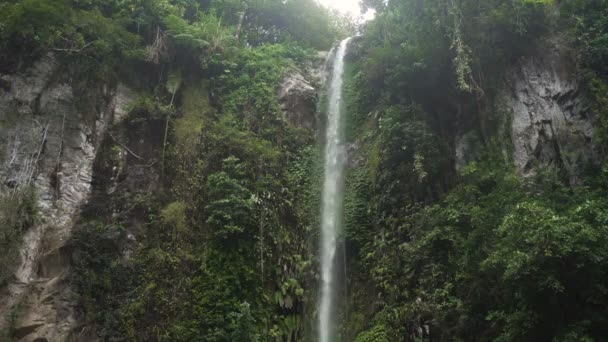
(542, 109)
(50, 131)
(550, 124)
(298, 100)
(298, 93)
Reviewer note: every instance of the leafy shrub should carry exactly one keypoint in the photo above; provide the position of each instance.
(375, 334)
(587, 22)
(32, 27)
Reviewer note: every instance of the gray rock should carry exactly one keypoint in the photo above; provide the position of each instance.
(49, 142)
(298, 99)
(123, 97)
(550, 124)
(299, 92)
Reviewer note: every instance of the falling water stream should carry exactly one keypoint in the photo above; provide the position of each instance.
(332, 197)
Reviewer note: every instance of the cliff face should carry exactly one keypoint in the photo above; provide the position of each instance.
(544, 115)
(56, 138)
(50, 131)
(550, 124)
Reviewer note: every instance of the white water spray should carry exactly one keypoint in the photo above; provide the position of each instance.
(332, 197)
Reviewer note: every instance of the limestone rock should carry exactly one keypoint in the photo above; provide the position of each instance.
(298, 99)
(49, 142)
(550, 124)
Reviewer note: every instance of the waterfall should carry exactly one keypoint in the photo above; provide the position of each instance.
(331, 205)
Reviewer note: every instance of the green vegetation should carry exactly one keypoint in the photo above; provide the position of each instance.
(212, 242)
(478, 254)
(496, 255)
(588, 29)
(206, 229)
(111, 33)
(33, 27)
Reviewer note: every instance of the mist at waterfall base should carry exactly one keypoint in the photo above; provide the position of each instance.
(332, 198)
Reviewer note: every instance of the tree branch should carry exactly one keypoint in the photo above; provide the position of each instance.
(125, 147)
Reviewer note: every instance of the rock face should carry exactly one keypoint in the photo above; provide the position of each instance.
(542, 107)
(298, 100)
(54, 137)
(298, 93)
(550, 124)
(49, 135)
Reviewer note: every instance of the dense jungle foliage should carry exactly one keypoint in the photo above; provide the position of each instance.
(210, 232)
(476, 254)
(212, 239)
